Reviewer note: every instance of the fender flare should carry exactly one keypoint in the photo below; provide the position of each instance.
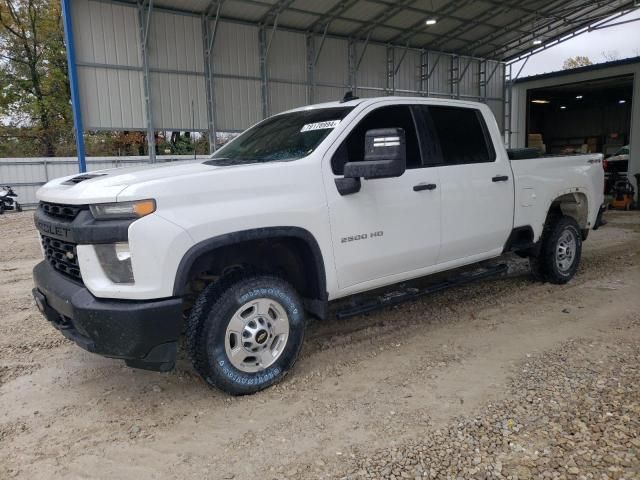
(189, 258)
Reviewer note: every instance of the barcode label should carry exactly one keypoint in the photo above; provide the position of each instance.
(320, 125)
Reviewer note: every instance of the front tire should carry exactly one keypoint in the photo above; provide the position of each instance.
(560, 252)
(245, 333)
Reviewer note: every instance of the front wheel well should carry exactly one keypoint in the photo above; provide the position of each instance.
(295, 259)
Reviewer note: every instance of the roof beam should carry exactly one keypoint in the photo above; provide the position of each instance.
(274, 11)
(473, 47)
(559, 39)
(331, 14)
(431, 13)
(569, 33)
(419, 28)
(551, 26)
(380, 18)
(489, 13)
(336, 13)
(518, 6)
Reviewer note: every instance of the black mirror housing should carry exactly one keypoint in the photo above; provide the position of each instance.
(385, 155)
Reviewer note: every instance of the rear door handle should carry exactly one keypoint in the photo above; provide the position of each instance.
(424, 186)
(500, 178)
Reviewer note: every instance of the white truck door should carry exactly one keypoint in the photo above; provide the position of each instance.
(392, 225)
(476, 184)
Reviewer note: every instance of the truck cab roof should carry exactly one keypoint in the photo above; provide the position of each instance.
(364, 102)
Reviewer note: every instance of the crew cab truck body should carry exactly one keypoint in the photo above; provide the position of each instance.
(306, 207)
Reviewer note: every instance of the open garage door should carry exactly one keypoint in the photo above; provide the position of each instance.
(585, 117)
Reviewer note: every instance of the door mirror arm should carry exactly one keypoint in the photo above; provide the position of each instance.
(348, 186)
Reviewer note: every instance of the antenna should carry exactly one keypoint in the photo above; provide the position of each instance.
(348, 97)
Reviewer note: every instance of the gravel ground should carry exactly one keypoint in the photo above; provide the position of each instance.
(573, 412)
(501, 379)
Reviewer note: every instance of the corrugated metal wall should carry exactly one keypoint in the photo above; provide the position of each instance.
(112, 82)
(109, 65)
(26, 175)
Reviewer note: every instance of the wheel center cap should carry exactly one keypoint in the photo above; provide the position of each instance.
(262, 336)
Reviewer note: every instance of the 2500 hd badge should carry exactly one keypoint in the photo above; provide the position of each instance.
(362, 236)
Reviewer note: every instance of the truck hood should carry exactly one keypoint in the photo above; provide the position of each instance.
(105, 185)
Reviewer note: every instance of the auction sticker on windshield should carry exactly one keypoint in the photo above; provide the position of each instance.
(320, 125)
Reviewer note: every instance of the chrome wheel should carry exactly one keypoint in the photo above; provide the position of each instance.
(566, 250)
(257, 335)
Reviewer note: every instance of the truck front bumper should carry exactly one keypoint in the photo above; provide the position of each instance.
(143, 333)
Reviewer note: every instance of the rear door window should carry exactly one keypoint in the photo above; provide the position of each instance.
(461, 133)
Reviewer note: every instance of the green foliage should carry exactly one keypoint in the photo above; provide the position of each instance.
(34, 97)
(35, 111)
(576, 62)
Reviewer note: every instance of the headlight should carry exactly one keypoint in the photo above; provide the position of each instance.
(123, 210)
(115, 259)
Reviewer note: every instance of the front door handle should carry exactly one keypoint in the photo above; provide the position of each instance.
(500, 178)
(424, 186)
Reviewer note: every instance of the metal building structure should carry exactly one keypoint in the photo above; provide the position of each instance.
(222, 65)
(626, 68)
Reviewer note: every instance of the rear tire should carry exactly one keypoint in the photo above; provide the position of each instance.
(244, 333)
(560, 252)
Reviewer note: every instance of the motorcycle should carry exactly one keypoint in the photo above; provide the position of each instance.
(7, 200)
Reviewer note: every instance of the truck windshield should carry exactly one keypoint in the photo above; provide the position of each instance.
(285, 137)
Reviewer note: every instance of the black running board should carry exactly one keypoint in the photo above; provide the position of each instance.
(399, 296)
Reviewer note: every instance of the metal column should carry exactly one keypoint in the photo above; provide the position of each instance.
(351, 62)
(391, 69)
(311, 68)
(144, 20)
(424, 73)
(209, 39)
(454, 76)
(506, 102)
(264, 74)
(73, 83)
(265, 47)
(482, 81)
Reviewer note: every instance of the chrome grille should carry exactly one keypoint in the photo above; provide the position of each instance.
(62, 256)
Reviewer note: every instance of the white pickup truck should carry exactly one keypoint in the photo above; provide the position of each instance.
(306, 207)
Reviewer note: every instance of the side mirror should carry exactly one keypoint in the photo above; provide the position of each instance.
(385, 155)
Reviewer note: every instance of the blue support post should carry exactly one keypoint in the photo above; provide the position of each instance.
(73, 83)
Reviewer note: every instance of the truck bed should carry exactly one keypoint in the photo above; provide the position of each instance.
(538, 181)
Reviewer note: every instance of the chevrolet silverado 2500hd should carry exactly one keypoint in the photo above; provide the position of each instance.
(306, 207)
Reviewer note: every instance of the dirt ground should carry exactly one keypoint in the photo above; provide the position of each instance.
(501, 379)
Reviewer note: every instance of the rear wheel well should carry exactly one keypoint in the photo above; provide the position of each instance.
(289, 257)
(574, 205)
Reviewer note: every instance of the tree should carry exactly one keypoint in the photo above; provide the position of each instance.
(33, 71)
(576, 62)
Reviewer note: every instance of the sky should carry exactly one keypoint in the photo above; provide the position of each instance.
(622, 39)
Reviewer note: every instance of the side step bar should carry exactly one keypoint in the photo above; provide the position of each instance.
(399, 296)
